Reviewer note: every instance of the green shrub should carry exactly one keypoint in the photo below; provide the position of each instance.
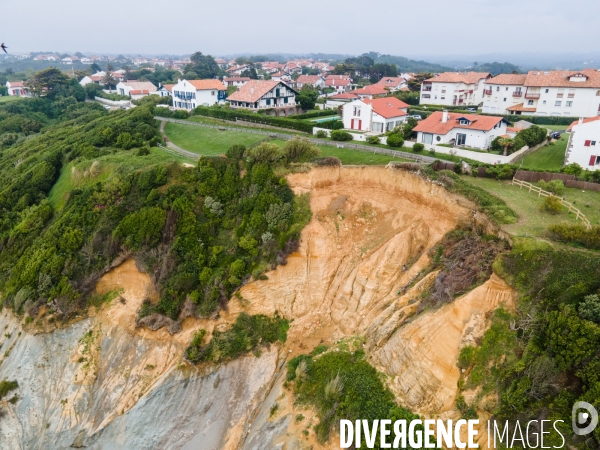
(248, 334)
(321, 134)
(418, 147)
(557, 187)
(300, 150)
(373, 140)
(142, 228)
(576, 233)
(339, 135)
(395, 140)
(572, 169)
(7, 386)
(551, 204)
(236, 152)
(466, 358)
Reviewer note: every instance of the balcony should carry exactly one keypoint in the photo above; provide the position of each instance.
(487, 92)
(532, 95)
(517, 94)
(426, 89)
(571, 96)
(559, 95)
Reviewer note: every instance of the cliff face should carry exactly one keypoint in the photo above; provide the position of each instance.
(102, 383)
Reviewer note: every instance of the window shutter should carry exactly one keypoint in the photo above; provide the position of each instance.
(592, 160)
(587, 143)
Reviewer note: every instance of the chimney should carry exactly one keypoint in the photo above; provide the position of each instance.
(580, 121)
(444, 116)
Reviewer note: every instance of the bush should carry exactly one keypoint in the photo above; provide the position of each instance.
(418, 147)
(236, 152)
(310, 115)
(395, 140)
(328, 161)
(299, 150)
(557, 187)
(7, 386)
(373, 140)
(321, 134)
(339, 135)
(576, 233)
(572, 169)
(551, 204)
(265, 153)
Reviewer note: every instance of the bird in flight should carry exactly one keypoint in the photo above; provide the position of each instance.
(4, 47)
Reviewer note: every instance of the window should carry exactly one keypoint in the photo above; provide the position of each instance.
(597, 93)
(389, 126)
(557, 103)
(593, 142)
(444, 98)
(497, 88)
(461, 139)
(593, 160)
(268, 101)
(357, 111)
(443, 91)
(427, 138)
(212, 93)
(569, 104)
(571, 93)
(587, 143)
(507, 88)
(426, 96)
(463, 122)
(547, 90)
(285, 99)
(530, 102)
(543, 103)
(505, 99)
(560, 93)
(438, 138)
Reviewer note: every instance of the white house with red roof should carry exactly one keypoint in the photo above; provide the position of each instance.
(311, 80)
(549, 93)
(187, 94)
(237, 69)
(375, 115)
(461, 130)
(341, 83)
(257, 95)
(583, 146)
(454, 89)
(281, 76)
(135, 89)
(17, 89)
(371, 92)
(338, 100)
(238, 82)
(392, 84)
(165, 90)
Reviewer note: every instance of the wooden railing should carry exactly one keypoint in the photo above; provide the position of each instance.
(566, 204)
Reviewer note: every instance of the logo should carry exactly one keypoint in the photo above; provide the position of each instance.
(584, 422)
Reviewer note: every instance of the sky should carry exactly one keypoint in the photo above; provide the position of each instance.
(398, 27)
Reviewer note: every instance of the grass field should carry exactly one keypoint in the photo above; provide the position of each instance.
(531, 220)
(549, 157)
(11, 98)
(70, 179)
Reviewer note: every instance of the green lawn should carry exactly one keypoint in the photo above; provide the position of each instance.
(11, 98)
(549, 157)
(531, 220)
(207, 141)
(70, 179)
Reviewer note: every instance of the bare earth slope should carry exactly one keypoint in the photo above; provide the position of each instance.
(104, 384)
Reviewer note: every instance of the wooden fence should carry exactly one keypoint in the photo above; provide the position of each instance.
(534, 177)
(566, 204)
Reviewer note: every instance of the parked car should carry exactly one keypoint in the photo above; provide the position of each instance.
(555, 135)
(472, 110)
(415, 116)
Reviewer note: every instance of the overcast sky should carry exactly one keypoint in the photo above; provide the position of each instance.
(398, 27)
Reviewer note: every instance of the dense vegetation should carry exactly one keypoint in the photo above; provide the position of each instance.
(88, 192)
(342, 385)
(248, 334)
(545, 357)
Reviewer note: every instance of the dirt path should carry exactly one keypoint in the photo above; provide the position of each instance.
(174, 147)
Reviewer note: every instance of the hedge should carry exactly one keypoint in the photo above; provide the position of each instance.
(233, 114)
(339, 135)
(310, 115)
(537, 120)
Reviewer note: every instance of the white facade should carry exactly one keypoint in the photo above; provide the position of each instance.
(583, 147)
(135, 88)
(17, 89)
(497, 97)
(189, 94)
(271, 95)
(453, 89)
(361, 116)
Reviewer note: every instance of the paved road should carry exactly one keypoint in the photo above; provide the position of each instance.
(352, 146)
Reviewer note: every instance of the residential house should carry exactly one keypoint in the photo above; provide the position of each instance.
(17, 89)
(95, 78)
(375, 115)
(222, 63)
(372, 91)
(165, 90)
(341, 83)
(281, 76)
(135, 89)
(310, 80)
(468, 130)
(70, 60)
(393, 84)
(337, 100)
(238, 82)
(86, 60)
(237, 69)
(549, 93)
(187, 94)
(583, 146)
(454, 89)
(271, 95)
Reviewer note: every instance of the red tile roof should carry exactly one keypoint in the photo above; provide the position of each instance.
(520, 107)
(308, 79)
(337, 82)
(16, 84)
(561, 78)
(587, 120)
(205, 85)
(168, 87)
(391, 81)
(236, 78)
(371, 90)
(433, 124)
(512, 79)
(139, 92)
(388, 107)
(513, 129)
(253, 90)
(459, 77)
(140, 85)
(344, 96)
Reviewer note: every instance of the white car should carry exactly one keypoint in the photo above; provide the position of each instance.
(106, 106)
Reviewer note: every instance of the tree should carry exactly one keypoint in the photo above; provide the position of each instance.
(506, 143)
(231, 90)
(46, 81)
(95, 68)
(414, 84)
(204, 66)
(407, 128)
(79, 74)
(250, 73)
(110, 67)
(300, 150)
(307, 97)
(128, 72)
(108, 80)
